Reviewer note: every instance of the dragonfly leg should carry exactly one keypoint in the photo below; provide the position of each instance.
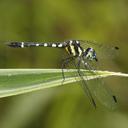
(79, 63)
(65, 62)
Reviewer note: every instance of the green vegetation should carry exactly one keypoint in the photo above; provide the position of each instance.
(47, 20)
(18, 81)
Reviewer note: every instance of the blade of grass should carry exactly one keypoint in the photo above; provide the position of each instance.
(18, 81)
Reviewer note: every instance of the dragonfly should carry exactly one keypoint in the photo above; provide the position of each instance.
(84, 52)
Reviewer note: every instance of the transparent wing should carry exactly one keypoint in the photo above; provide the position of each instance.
(94, 88)
(97, 86)
(85, 86)
(83, 82)
(103, 51)
(100, 91)
(98, 45)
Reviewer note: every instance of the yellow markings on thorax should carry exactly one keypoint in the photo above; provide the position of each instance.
(66, 48)
(80, 51)
(72, 50)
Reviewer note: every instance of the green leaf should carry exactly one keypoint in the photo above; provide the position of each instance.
(18, 81)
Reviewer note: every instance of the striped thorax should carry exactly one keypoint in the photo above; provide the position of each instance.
(73, 48)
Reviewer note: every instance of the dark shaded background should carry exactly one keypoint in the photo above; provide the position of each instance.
(47, 20)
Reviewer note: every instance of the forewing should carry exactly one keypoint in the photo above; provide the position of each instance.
(103, 51)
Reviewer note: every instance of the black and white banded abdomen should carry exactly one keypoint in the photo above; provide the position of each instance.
(33, 44)
(71, 46)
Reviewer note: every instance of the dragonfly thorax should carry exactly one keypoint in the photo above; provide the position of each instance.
(90, 54)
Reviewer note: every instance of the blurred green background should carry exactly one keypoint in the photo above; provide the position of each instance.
(47, 20)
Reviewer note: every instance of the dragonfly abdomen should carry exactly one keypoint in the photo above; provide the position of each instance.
(33, 44)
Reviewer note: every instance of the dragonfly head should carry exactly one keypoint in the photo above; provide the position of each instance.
(90, 54)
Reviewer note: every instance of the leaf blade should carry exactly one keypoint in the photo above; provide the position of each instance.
(19, 81)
